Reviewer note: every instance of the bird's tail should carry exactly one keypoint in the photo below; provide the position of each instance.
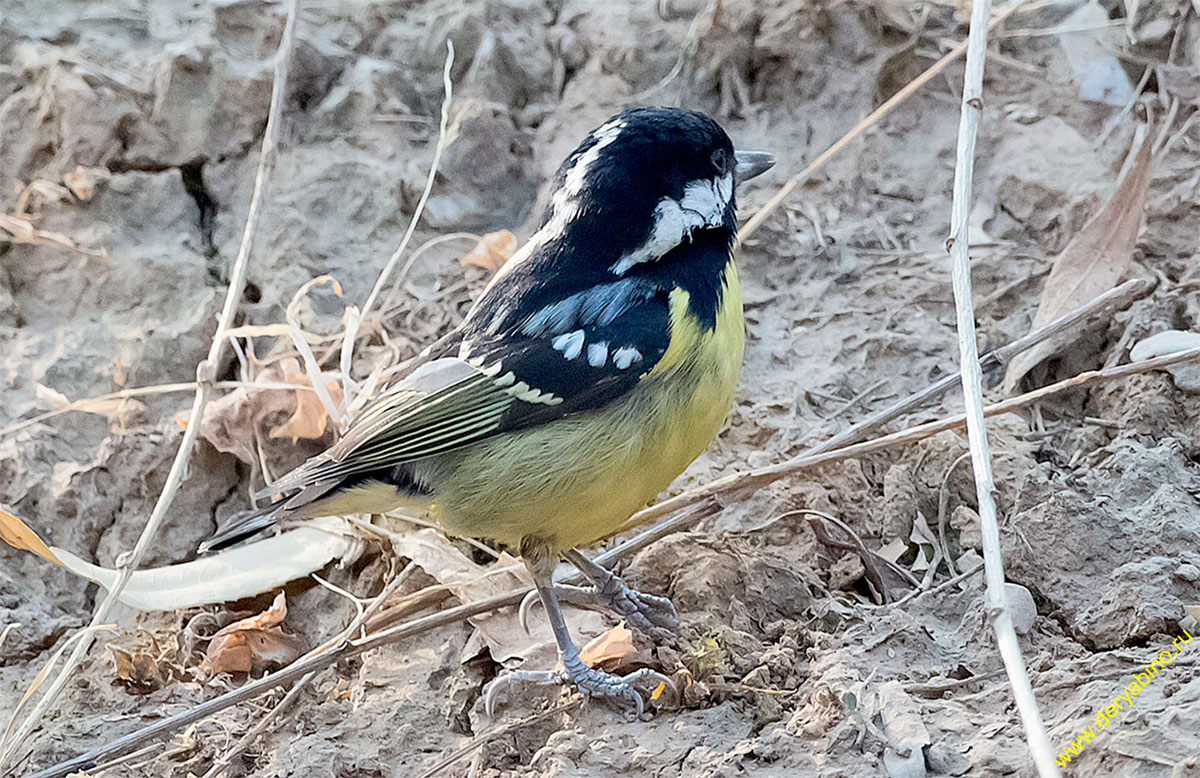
(241, 526)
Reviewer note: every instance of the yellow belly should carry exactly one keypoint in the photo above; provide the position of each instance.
(577, 479)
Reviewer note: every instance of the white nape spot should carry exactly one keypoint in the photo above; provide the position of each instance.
(564, 205)
(626, 356)
(570, 344)
(597, 354)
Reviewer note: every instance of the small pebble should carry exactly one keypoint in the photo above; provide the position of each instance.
(1021, 606)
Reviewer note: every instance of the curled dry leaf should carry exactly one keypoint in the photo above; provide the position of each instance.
(310, 418)
(139, 671)
(614, 647)
(231, 422)
(1095, 259)
(17, 534)
(492, 251)
(20, 229)
(253, 644)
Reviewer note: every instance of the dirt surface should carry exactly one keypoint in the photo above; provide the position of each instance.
(796, 671)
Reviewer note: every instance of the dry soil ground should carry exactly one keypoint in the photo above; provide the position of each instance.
(848, 296)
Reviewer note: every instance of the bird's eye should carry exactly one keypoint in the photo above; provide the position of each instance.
(720, 161)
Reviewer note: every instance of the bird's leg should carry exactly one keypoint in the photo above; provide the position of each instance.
(653, 615)
(590, 681)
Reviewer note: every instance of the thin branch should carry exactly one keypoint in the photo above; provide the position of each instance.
(205, 376)
(1112, 300)
(747, 481)
(866, 123)
(972, 381)
(433, 167)
(145, 391)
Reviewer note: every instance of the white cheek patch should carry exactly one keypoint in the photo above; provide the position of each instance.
(703, 205)
(707, 200)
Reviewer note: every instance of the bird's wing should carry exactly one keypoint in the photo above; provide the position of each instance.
(575, 355)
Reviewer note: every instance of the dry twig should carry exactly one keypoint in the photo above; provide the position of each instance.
(972, 381)
(205, 376)
(381, 282)
(870, 120)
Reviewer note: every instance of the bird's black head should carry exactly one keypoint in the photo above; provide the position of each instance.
(646, 198)
(642, 183)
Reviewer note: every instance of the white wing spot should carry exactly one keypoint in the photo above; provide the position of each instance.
(570, 344)
(597, 354)
(506, 380)
(523, 391)
(626, 356)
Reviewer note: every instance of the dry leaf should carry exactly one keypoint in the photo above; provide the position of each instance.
(310, 418)
(138, 670)
(82, 181)
(252, 644)
(17, 534)
(500, 631)
(615, 645)
(492, 251)
(1094, 261)
(230, 422)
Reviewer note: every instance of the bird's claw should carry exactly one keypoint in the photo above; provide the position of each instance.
(655, 616)
(592, 682)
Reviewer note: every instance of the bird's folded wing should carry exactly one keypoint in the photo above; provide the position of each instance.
(580, 361)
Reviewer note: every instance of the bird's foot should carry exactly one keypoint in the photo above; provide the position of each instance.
(592, 682)
(652, 615)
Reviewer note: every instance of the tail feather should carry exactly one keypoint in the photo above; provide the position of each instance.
(294, 505)
(242, 526)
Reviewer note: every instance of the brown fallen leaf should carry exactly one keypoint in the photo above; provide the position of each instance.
(615, 646)
(310, 418)
(1096, 258)
(17, 534)
(231, 422)
(253, 644)
(492, 251)
(139, 671)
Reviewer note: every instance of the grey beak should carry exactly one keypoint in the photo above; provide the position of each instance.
(750, 164)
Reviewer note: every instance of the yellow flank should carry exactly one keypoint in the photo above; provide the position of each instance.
(576, 480)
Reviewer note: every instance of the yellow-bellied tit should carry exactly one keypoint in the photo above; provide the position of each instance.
(597, 364)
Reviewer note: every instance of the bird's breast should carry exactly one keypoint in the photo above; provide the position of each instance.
(577, 479)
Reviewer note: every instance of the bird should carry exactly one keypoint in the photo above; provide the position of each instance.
(595, 366)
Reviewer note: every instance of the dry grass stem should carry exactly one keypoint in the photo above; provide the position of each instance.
(958, 246)
(871, 119)
(381, 282)
(204, 379)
